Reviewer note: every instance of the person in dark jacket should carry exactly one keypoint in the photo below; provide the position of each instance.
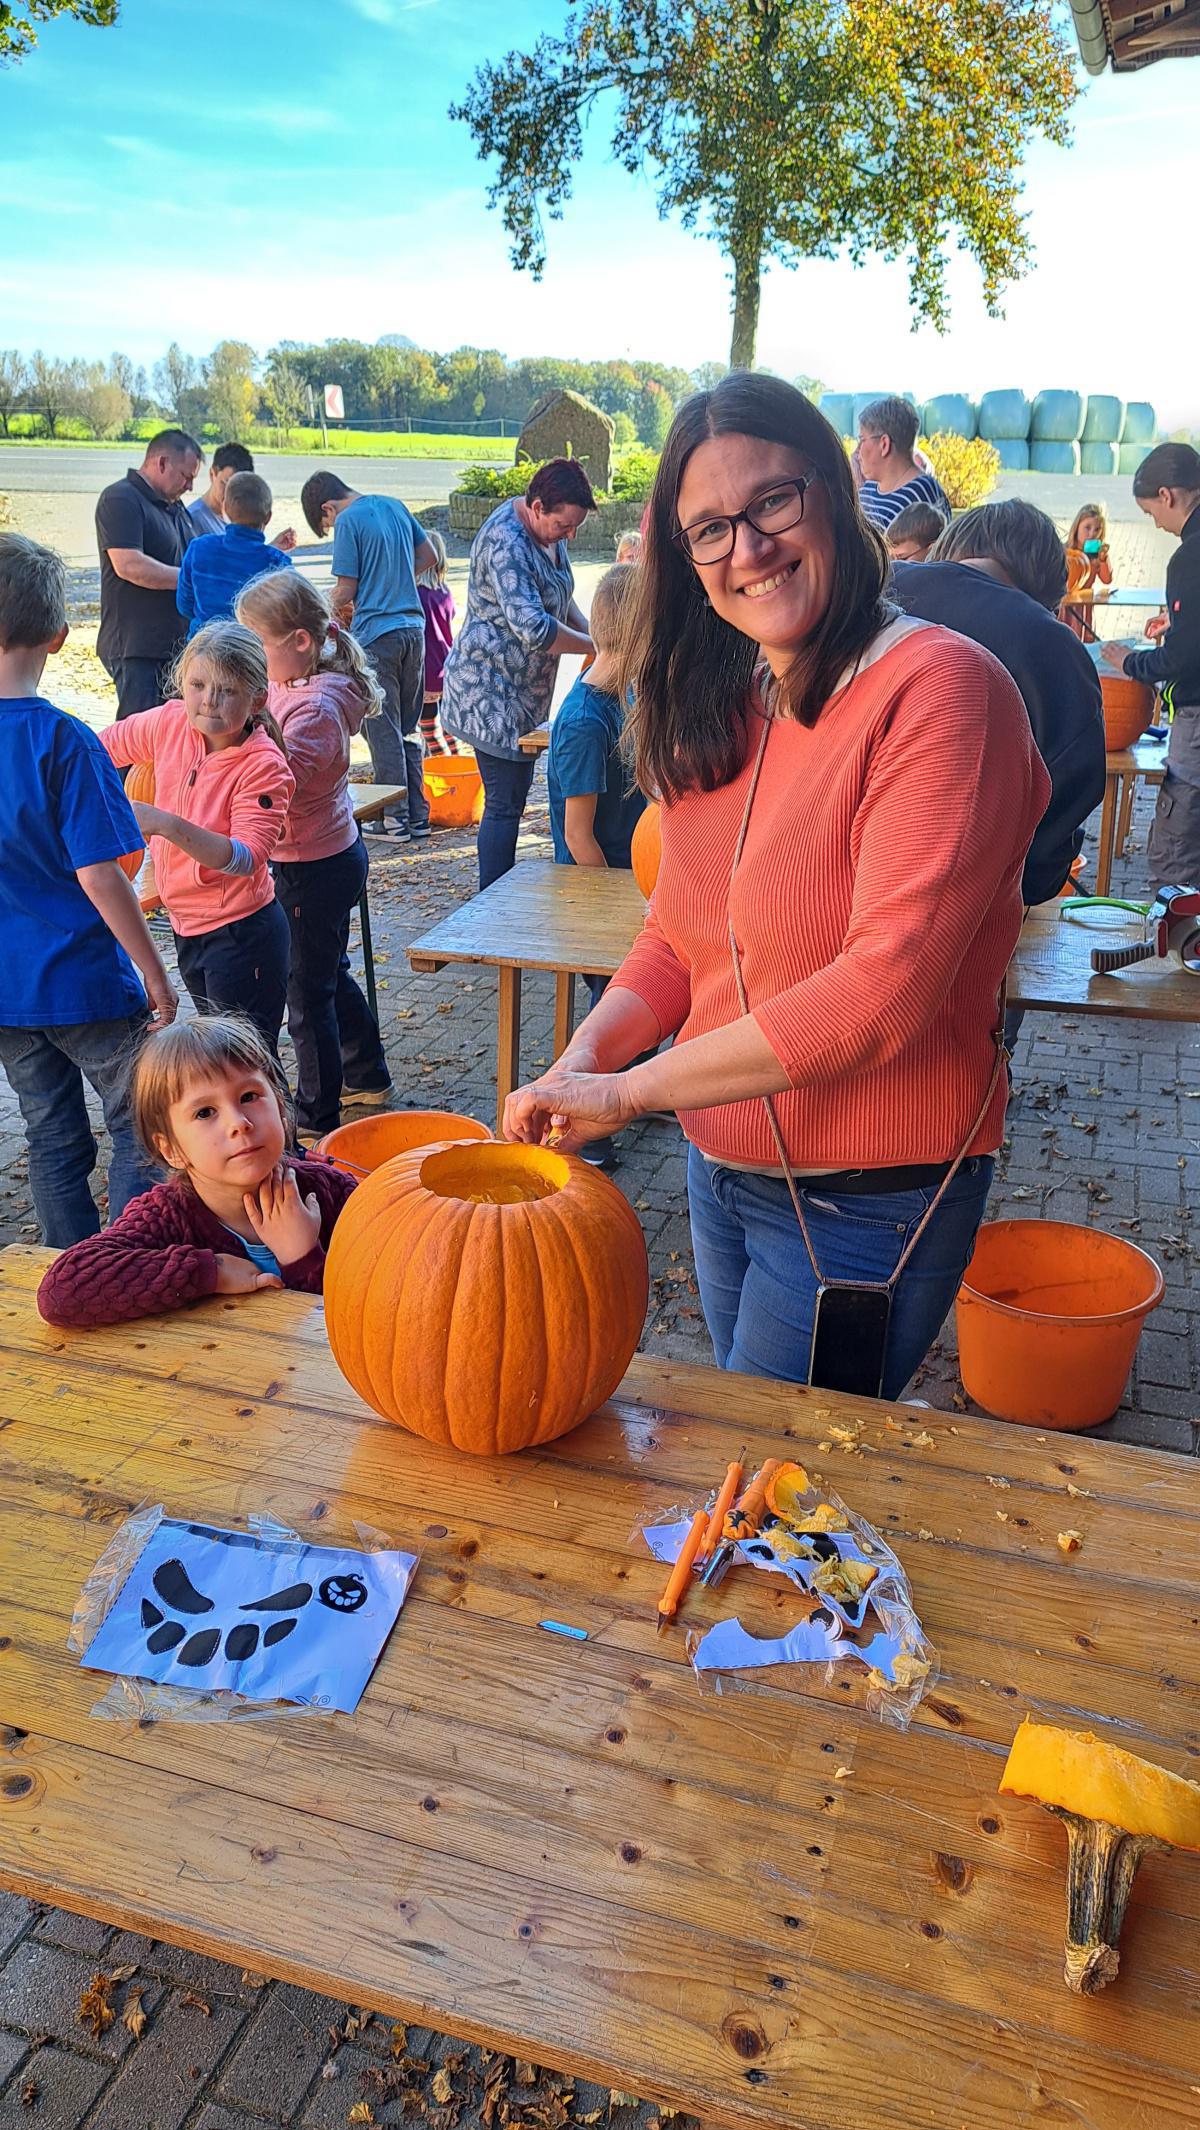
(1167, 487)
(997, 575)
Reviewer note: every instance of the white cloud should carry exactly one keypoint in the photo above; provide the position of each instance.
(387, 13)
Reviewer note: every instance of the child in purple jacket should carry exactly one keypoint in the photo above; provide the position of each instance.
(438, 603)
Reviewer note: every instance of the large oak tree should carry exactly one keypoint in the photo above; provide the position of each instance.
(790, 129)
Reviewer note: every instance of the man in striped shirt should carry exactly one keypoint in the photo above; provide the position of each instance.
(887, 474)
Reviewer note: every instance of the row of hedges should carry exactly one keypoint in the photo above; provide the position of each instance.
(1056, 432)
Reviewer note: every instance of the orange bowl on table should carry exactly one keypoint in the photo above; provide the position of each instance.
(366, 1143)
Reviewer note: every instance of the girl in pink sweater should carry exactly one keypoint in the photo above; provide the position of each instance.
(221, 795)
(321, 690)
(211, 1104)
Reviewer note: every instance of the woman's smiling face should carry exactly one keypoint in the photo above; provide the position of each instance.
(774, 587)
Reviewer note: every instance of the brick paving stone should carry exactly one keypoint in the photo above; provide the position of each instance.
(81, 1934)
(175, 1963)
(62, 2087)
(215, 2118)
(281, 2052)
(15, 1915)
(157, 2086)
(12, 2048)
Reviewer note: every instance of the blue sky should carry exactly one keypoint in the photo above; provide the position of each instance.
(267, 169)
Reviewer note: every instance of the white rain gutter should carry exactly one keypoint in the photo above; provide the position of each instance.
(1091, 33)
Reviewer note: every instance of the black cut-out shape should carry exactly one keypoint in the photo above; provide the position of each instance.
(289, 1600)
(343, 1593)
(176, 1589)
(241, 1642)
(166, 1637)
(200, 1649)
(278, 1631)
(150, 1613)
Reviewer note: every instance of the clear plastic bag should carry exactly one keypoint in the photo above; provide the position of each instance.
(162, 1616)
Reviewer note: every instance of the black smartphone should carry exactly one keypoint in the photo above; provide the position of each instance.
(849, 1340)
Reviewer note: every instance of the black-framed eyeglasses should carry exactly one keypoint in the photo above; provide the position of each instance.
(775, 510)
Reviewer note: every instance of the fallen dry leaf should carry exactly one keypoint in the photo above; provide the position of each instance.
(133, 2017)
(361, 2112)
(253, 1980)
(399, 2041)
(95, 2005)
(198, 2004)
(29, 2093)
(440, 2087)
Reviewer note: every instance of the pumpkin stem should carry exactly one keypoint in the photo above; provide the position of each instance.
(1102, 1863)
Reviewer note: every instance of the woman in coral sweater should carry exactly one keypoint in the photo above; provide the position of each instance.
(848, 798)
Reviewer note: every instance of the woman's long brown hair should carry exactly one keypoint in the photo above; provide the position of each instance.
(690, 672)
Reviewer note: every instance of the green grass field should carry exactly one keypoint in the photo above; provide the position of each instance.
(343, 443)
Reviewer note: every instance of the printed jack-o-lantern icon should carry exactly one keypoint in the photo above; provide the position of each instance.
(343, 1593)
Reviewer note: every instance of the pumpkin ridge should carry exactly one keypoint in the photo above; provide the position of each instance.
(430, 1222)
(583, 1368)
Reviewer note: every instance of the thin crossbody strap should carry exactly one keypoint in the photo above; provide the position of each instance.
(769, 1105)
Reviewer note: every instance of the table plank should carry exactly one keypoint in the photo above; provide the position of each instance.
(582, 919)
(372, 799)
(562, 1848)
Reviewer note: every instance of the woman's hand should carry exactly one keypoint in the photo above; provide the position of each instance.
(1116, 652)
(1157, 626)
(239, 1275)
(289, 1225)
(573, 1107)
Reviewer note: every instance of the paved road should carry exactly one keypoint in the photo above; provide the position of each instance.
(66, 469)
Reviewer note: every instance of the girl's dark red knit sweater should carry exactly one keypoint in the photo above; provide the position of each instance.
(162, 1251)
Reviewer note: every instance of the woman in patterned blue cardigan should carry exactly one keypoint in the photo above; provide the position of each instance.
(521, 618)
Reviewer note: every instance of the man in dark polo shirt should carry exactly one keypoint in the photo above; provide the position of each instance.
(142, 528)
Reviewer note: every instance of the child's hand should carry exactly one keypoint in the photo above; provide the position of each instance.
(1157, 626)
(286, 540)
(237, 1275)
(289, 1225)
(149, 818)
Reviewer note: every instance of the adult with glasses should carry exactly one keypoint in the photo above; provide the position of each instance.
(848, 797)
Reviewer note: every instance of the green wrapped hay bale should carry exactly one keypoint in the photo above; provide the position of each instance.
(1013, 453)
(1003, 414)
(1130, 456)
(1098, 458)
(1141, 423)
(1057, 418)
(1046, 455)
(1103, 422)
(838, 408)
(949, 414)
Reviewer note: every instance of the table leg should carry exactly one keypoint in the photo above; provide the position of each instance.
(508, 1054)
(1108, 835)
(564, 1009)
(1125, 814)
(364, 924)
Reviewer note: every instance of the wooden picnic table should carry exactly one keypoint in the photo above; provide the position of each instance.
(371, 800)
(1146, 761)
(535, 742)
(765, 1907)
(574, 920)
(1082, 603)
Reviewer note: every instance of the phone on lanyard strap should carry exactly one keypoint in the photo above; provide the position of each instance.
(849, 1339)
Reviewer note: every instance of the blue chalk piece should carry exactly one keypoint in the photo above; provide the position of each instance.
(577, 1634)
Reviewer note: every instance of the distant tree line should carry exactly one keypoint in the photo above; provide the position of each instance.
(233, 393)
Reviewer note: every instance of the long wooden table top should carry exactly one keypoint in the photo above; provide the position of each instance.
(544, 916)
(765, 1906)
(371, 799)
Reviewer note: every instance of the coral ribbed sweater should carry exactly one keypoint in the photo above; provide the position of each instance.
(876, 905)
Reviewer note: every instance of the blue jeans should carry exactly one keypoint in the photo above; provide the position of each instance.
(394, 736)
(505, 790)
(46, 1069)
(756, 1283)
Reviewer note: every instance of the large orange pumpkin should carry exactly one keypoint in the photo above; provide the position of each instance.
(1128, 709)
(486, 1295)
(646, 849)
(139, 783)
(131, 864)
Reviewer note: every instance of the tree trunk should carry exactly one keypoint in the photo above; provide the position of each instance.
(747, 287)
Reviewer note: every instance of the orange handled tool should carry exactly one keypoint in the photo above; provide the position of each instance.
(668, 1604)
(743, 1520)
(721, 1507)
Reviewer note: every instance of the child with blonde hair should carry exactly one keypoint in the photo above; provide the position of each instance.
(437, 605)
(1087, 548)
(216, 751)
(320, 691)
(211, 1105)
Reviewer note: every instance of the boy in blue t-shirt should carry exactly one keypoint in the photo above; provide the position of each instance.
(593, 812)
(71, 1005)
(217, 566)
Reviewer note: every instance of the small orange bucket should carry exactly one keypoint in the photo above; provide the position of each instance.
(370, 1141)
(1049, 1316)
(454, 789)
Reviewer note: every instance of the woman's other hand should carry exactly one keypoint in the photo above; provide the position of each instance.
(570, 1108)
(1116, 652)
(1157, 626)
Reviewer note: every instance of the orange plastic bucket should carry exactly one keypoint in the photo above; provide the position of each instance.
(1049, 1316)
(370, 1141)
(454, 789)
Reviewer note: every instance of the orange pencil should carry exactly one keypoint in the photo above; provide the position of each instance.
(668, 1604)
(721, 1507)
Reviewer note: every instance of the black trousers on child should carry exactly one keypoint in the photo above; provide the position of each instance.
(241, 968)
(334, 1033)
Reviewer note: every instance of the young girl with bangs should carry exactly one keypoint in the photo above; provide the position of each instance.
(321, 690)
(211, 1105)
(221, 793)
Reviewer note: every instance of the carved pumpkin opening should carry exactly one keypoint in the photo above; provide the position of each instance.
(495, 1175)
